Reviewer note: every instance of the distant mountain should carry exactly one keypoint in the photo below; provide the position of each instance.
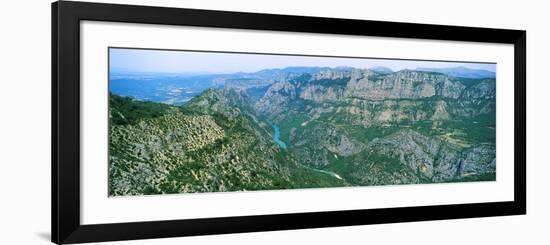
(175, 89)
(381, 69)
(266, 77)
(270, 73)
(461, 71)
(295, 69)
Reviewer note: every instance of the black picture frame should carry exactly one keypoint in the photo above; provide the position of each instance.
(66, 18)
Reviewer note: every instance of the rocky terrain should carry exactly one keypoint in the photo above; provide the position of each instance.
(340, 127)
(387, 128)
(208, 145)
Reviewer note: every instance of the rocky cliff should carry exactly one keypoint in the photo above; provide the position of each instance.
(399, 127)
(341, 127)
(372, 97)
(211, 144)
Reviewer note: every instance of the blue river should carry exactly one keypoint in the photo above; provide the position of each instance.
(277, 137)
(282, 145)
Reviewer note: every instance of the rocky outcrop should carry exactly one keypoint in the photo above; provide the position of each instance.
(374, 98)
(330, 74)
(213, 143)
(321, 94)
(314, 145)
(433, 158)
(143, 155)
(399, 85)
(440, 111)
(483, 90)
(369, 85)
(276, 98)
(478, 160)
(449, 89)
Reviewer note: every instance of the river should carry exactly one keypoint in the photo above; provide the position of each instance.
(277, 137)
(282, 145)
(333, 174)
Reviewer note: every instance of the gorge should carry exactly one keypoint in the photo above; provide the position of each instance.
(303, 127)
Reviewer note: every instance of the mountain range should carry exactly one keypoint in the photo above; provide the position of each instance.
(462, 72)
(304, 127)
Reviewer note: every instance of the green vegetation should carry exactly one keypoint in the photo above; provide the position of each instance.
(221, 140)
(199, 147)
(126, 110)
(468, 82)
(331, 82)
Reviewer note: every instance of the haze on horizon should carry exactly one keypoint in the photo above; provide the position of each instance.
(168, 61)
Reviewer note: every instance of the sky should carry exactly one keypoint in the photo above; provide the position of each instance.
(165, 61)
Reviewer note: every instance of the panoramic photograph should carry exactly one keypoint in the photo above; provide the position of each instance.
(202, 121)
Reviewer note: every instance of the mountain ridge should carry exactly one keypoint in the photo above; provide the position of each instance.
(462, 72)
(340, 127)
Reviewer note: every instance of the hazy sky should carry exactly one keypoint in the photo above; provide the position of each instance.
(140, 60)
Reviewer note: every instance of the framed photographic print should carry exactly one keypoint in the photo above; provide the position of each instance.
(175, 122)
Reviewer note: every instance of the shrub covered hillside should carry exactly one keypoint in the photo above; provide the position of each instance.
(209, 145)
